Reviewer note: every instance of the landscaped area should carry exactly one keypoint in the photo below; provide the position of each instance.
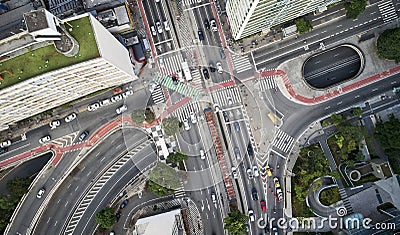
(310, 165)
(46, 59)
(329, 196)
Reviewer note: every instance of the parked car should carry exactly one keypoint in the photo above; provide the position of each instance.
(202, 154)
(206, 74)
(250, 150)
(237, 152)
(40, 193)
(249, 173)
(201, 35)
(83, 135)
(123, 204)
(213, 198)
(105, 102)
(3, 150)
(263, 205)
(226, 117)
(269, 171)
(153, 30)
(5, 144)
(116, 98)
(127, 93)
(44, 139)
(212, 68)
(118, 215)
(213, 25)
(193, 117)
(186, 124)
(255, 171)
(159, 27)
(70, 117)
(121, 109)
(166, 26)
(275, 231)
(230, 100)
(93, 107)
(276, 182)
(234, 173)
(206, 24)
(237, 126)
(251, 216)
(219, 67)
(54, 124)
(254, 194)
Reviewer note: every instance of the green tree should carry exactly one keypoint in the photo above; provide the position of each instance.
(337, 119)
(388, 44)
(138, 116)
(106, 217)
(355, 8)
(303, 25)
(18, 187)
(171, 125)
(357, 112)
(235, 223)
(159, 190)
(177, 157)
(164, 180)
(388, 135)
(149, 115)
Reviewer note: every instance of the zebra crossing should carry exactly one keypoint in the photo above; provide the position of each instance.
(346, 201)
(158, 95)
(182, 88)
(197, 79)
(183, 112)
(171, 64)
(180, 192)
(387, 11)
(267, 83)
(224, 96)
(241, 63)
(190, 2)
(283, 141)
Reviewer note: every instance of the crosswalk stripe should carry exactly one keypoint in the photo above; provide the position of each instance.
(221, 96)
(158, 95)
(267, 83)
(283, 141)
(190, 2)
(241, 63)
(387, 11)
(183, 112)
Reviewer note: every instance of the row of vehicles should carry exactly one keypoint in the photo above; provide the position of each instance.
(158, 28)
(108, 101)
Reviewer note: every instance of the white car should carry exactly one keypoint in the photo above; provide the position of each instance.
(166, 26)
(93, 107)
(230, 101)
(44, 139)
(121, 109)
(186, 124)
(116, 98)
(70, 117)
(105, 102)
(54, 124)
(40, 193)
(153, 30)
(127, 93)
(214, 198)
(251, 216)
(5, 144)
(234, 173)
(193, 117)
(202, 154)
(219, 67)
(255, 171)
(213, 25)
(249, 173)
(152, 87)
(159, 27)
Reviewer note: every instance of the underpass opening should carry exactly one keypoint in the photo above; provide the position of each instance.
(333, 67)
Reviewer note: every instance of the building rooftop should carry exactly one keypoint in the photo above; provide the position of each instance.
(158, 224)
(36, 20)
(29, 62)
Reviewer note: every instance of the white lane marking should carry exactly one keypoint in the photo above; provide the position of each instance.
(69, 185)
(98, 154)
(55, 224)
(88, 173)
(102, 159)
(58, 201)
(327, 107)
(48, 220)
(66, 204)
(76, 188)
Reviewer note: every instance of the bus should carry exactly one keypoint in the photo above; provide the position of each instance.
(186, 71)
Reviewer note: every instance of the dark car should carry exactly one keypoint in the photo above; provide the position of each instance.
(83, 135)
(237, 126)
(123, 204)
(118, 215)
(175, 80)
(207, 24)
(201, 35)
(226, 117)
(254, 194)
(250, 150)
(212, 68)
(3, 150)
(206, 74)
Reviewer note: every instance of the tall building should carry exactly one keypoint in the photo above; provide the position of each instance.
(56, 61)
(248, 17)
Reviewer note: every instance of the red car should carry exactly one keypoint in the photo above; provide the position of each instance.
(263, 205)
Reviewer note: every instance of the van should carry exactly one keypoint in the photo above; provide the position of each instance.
(146, 44)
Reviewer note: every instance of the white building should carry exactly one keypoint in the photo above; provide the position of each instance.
(248, 17)
(55, 62)
(168, 223)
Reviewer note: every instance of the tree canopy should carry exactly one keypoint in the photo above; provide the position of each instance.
(171, 125)
(149, 115)
(388, 135)
(303, 25)
(164, 180)
(235, 223)
(177, 157)
(388, 44)
(355, 8)
(138, 116)
(106, 217)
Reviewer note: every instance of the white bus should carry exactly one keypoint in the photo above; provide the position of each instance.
(186, 71)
